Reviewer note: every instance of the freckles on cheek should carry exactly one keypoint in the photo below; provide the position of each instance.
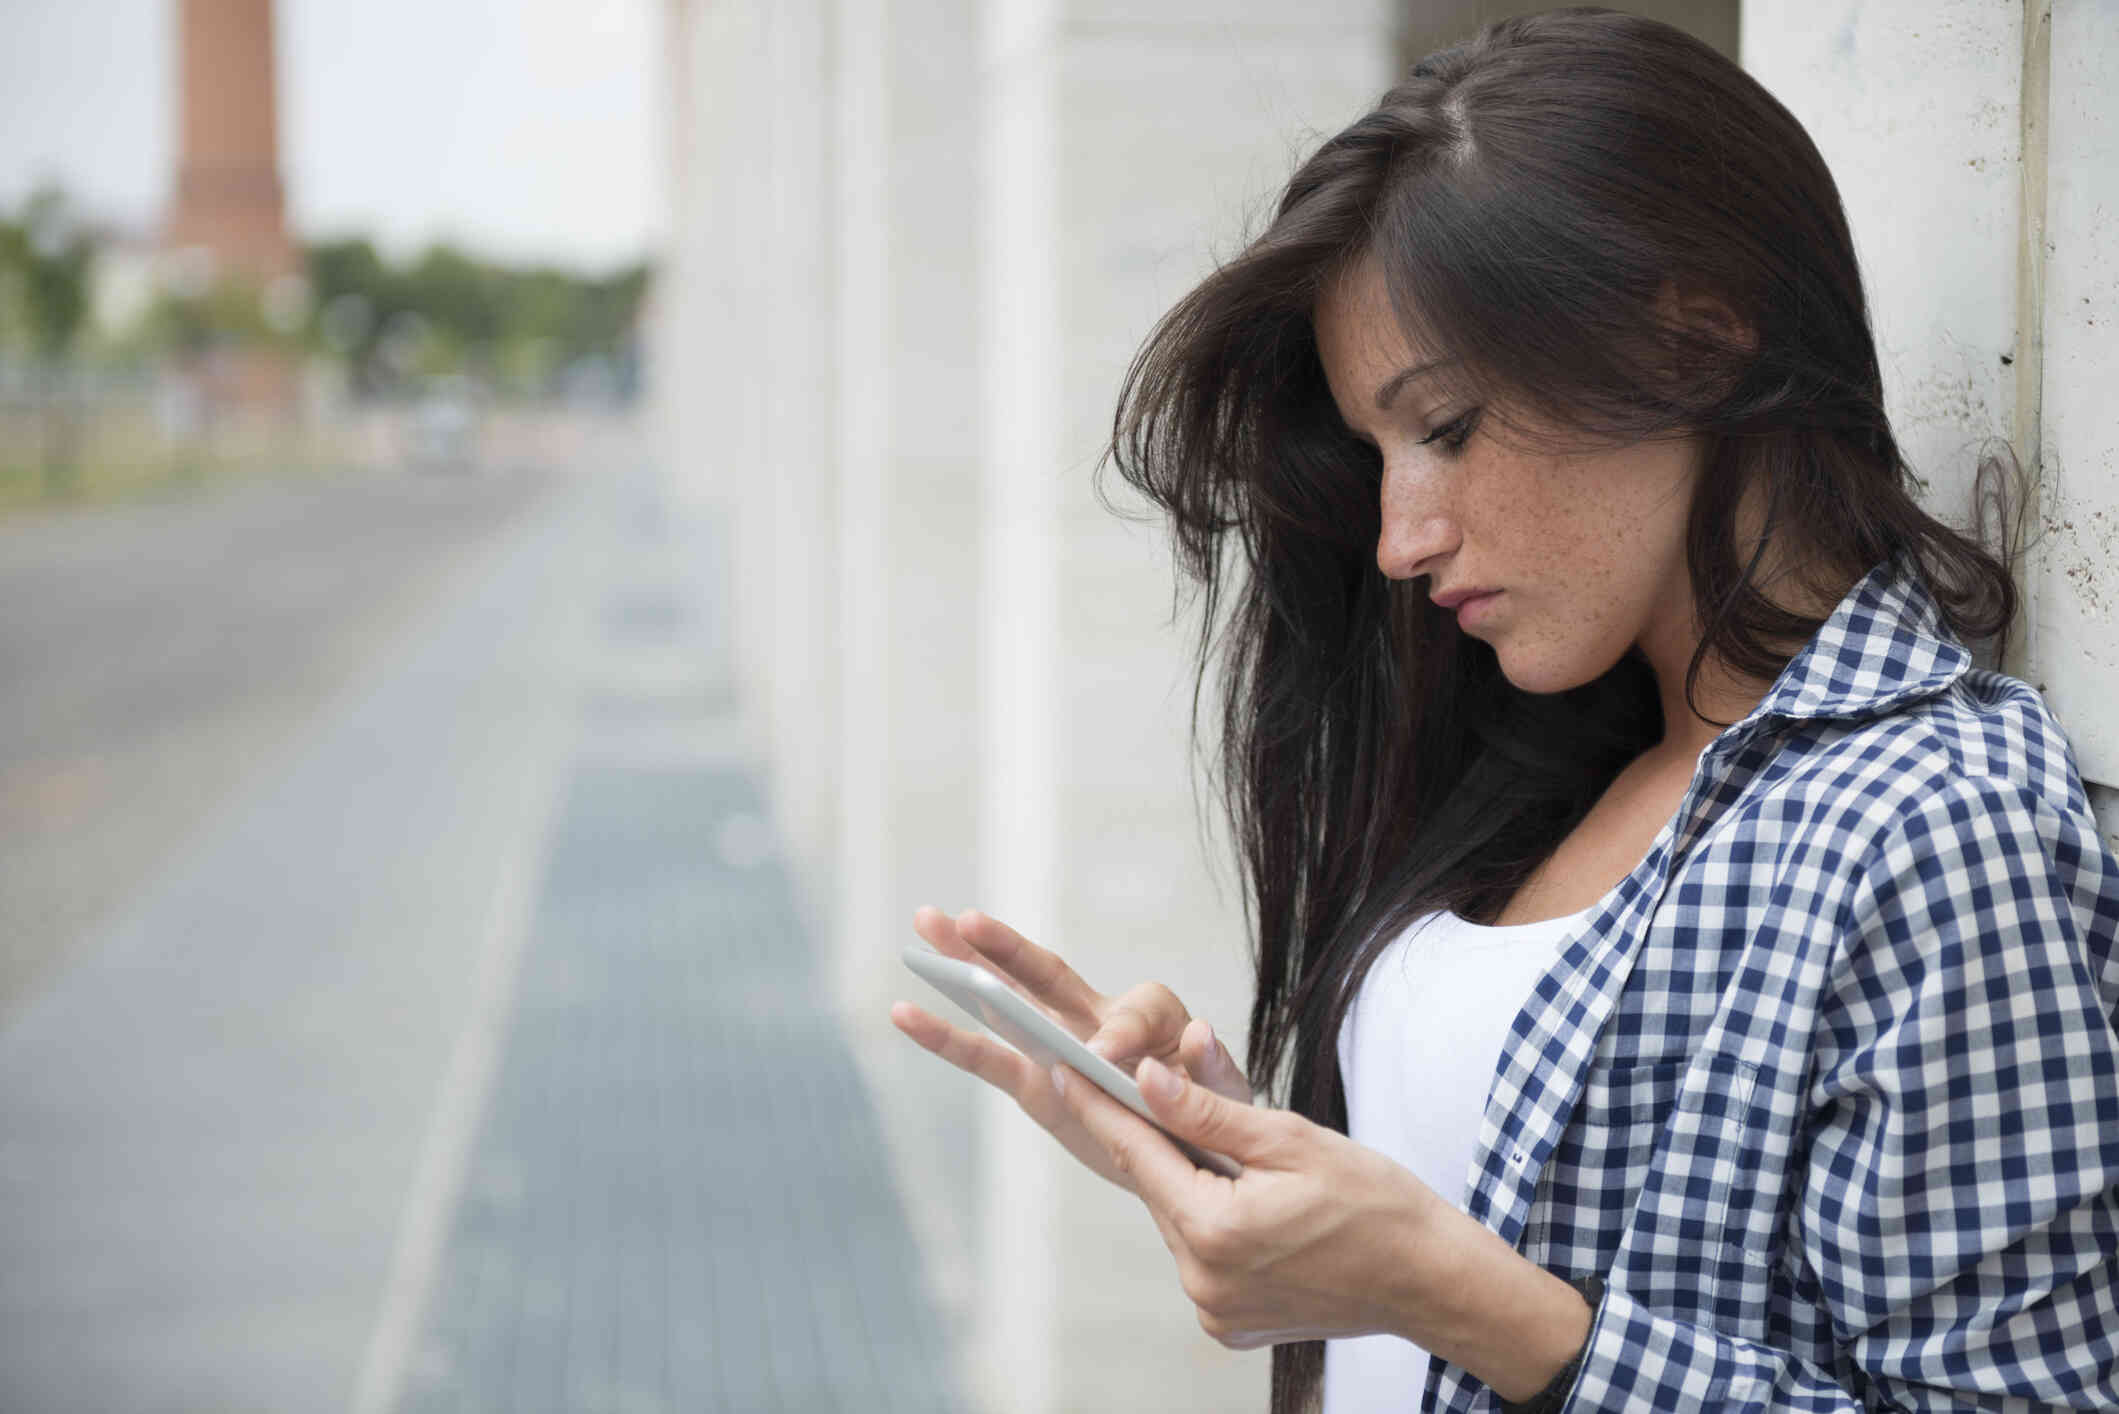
(1579, 535)
(1587, 538)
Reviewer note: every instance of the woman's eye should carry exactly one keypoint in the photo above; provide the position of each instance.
(1454, 433)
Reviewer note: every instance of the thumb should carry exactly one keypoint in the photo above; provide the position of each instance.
(1244, 1132)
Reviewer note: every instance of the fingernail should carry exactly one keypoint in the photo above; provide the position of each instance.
(1166, 1083)
(1059, 1080)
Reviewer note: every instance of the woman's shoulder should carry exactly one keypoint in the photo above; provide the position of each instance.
(1963, 804)
(1885, 707)
(1985, 734)
(1991, 726)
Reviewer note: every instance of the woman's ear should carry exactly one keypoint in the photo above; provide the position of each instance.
(1705, 343)
(1703, 312)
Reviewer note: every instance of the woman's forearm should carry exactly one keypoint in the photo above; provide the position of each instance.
(1476, 1302)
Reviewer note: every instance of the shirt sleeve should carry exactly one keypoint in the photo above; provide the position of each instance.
(1959, 1209)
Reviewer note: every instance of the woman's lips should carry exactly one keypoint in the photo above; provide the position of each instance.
(1472, 611)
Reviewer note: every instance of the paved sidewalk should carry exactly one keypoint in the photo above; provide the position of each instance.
(680, 1200)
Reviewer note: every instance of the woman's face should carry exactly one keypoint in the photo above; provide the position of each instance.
(1586, 550)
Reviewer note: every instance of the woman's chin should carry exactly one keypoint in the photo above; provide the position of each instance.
(1542, 676)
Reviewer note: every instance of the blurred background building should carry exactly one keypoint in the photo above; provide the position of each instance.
(468, 778)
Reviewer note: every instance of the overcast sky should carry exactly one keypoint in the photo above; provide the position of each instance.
(525, 129)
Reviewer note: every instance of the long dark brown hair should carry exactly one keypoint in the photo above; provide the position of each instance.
(1529, 194)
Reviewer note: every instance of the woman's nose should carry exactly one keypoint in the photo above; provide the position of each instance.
(1414, 535)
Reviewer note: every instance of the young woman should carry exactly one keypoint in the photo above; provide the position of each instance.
(1691, 980)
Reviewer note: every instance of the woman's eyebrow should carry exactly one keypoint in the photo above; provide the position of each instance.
(1403, 376)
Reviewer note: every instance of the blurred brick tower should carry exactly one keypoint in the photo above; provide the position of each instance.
(227, 211)
(227, 198)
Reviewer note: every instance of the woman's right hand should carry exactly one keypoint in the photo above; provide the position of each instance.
(1147, 1020)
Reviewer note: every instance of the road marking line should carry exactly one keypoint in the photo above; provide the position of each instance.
(454, 1125)
(445, 1154)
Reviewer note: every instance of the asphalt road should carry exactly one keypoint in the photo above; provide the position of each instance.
(154, 656)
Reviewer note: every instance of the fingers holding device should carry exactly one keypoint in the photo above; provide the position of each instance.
(1009, 1015)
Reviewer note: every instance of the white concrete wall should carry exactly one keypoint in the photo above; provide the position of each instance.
(1977, 153)
(1914, 106)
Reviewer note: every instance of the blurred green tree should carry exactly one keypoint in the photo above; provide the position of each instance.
(446, 310)
(514, 325)
(46, 259)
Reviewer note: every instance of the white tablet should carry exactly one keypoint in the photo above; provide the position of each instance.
(1001, 1010)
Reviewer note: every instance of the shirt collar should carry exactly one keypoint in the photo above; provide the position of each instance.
(1884, 645)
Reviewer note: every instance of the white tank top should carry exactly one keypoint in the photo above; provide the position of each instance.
(1417, 1052)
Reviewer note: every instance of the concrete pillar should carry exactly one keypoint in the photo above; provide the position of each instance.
(683, 382)
(2074, 648)
(822, 411)
(1128, 150)
(904, 567)
(672, 330)
(799, 477)
(718, 393)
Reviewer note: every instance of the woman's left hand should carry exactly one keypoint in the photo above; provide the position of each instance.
(1321, 1237)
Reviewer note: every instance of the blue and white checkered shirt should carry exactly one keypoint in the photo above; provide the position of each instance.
(1828, 1090)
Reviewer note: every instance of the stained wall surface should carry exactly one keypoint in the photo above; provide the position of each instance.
(1977, 155)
